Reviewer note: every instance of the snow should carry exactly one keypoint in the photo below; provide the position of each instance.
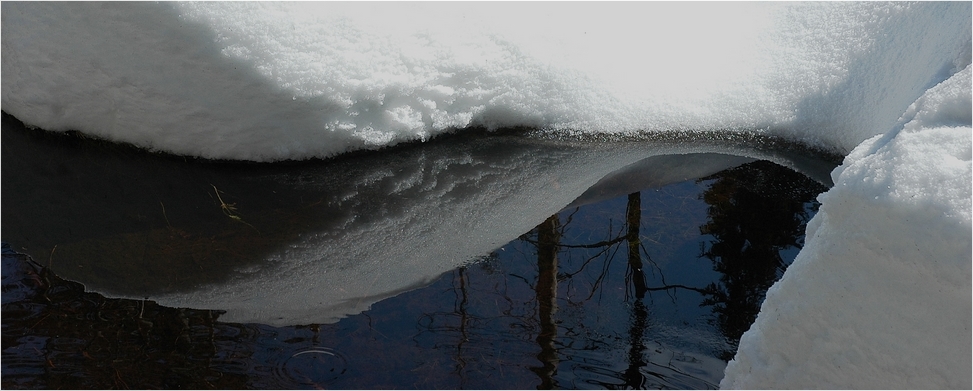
(878, 298)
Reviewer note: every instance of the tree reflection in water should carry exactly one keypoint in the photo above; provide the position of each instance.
(552, 309)
(548, 238)
(755, 216)
(756, 212)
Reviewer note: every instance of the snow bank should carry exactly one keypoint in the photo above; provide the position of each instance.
(273, 81)
(880, 296)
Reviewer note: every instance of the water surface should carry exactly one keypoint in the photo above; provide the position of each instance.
(646, 279)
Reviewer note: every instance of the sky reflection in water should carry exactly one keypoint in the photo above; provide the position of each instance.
(645, 290)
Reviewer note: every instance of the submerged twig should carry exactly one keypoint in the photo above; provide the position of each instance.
(164, 214)
(230, 209)
(50, 259)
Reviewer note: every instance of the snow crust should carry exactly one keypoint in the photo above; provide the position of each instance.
(880, 297)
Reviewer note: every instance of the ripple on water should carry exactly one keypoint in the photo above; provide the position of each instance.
(655, 366)
(312, 367)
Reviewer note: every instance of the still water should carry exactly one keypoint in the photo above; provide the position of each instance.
(635, 284)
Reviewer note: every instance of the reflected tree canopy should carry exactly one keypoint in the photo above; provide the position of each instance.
(756, 212)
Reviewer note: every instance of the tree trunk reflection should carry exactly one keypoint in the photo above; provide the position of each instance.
(639, 317)
(548, 238)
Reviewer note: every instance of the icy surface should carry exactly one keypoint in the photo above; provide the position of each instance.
(880, 296)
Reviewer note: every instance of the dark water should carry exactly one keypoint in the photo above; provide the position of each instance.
(650, 288)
